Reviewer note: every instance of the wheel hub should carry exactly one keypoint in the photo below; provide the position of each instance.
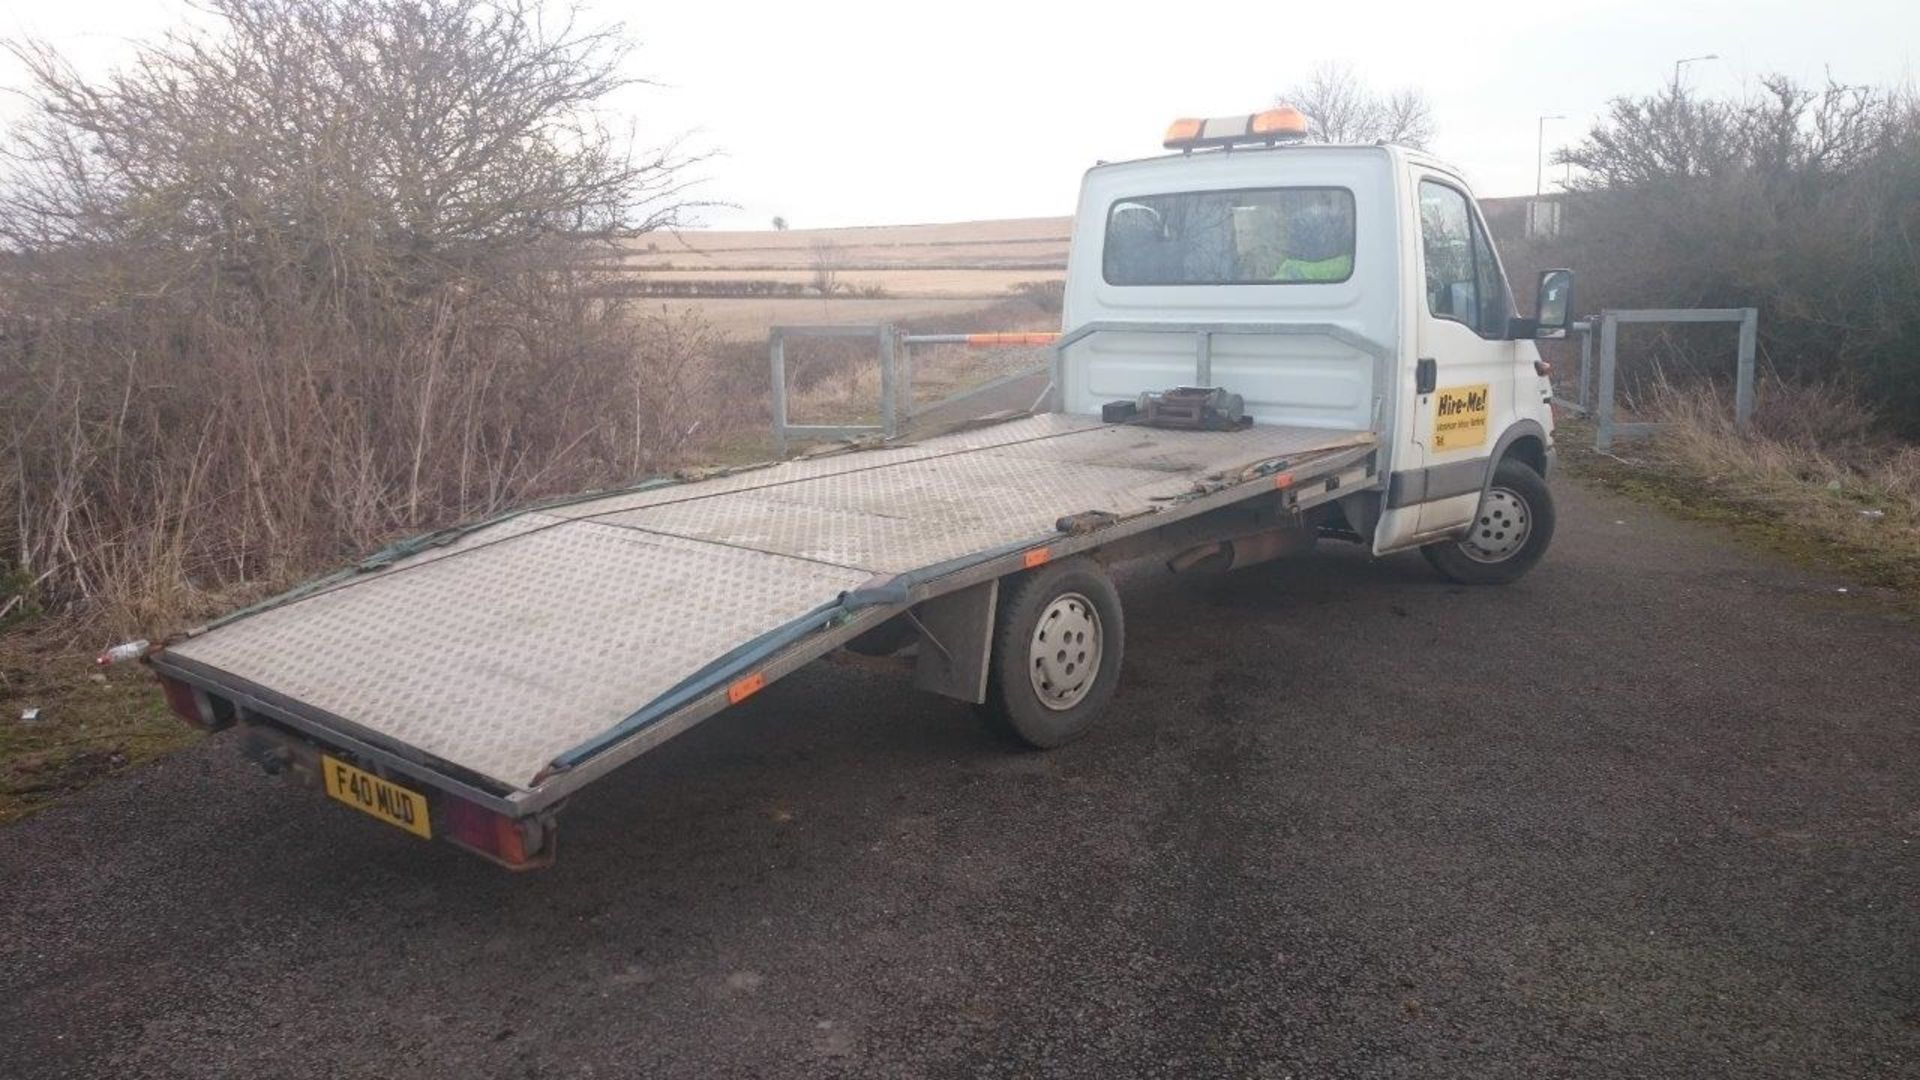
(1064, 656)
(1500, 527)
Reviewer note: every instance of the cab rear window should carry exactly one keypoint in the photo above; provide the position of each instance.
(1263, 236)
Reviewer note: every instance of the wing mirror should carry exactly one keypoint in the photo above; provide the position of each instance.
(1553, 304)
(1553, 308)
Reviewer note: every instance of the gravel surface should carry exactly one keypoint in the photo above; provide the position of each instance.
(1653, 811)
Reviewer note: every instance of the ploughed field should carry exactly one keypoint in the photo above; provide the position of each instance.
(745, 281)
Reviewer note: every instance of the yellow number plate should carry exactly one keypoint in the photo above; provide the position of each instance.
(1460, 417)
(383, 799)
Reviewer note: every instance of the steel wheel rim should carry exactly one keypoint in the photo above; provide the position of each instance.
(1500, 527)
(1063, 659)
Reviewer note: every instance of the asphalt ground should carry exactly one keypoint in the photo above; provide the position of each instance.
(1652, 811)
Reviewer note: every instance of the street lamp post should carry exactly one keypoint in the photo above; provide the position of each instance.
(1539, 155)
(1678, 64)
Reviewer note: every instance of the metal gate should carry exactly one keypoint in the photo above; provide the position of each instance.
(1601, 405)
(896, 353)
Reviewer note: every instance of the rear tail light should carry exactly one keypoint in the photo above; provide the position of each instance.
(196, 707)
(182, 700)
(515, 843)
(1542, 368)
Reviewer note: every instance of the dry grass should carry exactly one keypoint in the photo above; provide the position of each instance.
(1813, 477)
(849, 394)
(1803, 437)
(89, 723)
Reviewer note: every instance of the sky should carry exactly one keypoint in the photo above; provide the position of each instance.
(835, 114)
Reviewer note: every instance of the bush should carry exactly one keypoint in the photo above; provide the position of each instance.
(1048, 295)
(1801, 203)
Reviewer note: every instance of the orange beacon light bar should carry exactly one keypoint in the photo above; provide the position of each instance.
(1282, 124)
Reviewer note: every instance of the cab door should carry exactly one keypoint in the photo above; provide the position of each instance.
(1464, 377)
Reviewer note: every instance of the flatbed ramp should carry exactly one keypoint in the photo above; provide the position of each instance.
(523, 640)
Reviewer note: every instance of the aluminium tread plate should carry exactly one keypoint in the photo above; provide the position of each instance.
(1042, 428)
(535, 634)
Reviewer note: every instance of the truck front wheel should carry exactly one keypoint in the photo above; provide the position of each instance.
(1057, 645)
(1510, 531)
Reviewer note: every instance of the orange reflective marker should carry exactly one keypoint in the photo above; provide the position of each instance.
(1282, 481)
(745, 688)
(1037, 557)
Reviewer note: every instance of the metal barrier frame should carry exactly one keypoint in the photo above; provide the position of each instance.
(1606, 429)
(985, 340)
(1582, 401)
(783, 429)
(896, 376)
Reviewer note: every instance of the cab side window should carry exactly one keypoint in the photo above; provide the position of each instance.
(1463, 279)
(1495, 302)
(1446, 238)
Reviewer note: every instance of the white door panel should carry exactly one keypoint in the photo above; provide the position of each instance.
(1457, 424)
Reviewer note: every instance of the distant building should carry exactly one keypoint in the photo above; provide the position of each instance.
(1525, 217)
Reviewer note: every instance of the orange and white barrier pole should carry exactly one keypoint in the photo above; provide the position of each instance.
(984, 340)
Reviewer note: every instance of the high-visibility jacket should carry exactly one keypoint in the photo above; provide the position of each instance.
(1334, 269)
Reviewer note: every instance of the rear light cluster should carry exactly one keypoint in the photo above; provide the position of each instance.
(196, 707)
(517, 844)
(181, 699)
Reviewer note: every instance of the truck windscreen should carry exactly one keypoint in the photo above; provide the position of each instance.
(1264, 236)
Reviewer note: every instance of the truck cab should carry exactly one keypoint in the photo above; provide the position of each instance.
(1340, 287)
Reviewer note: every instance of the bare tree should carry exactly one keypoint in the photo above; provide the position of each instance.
(779, 223)
(1341, 108)
(312, 273)
(827, 258)
(405, 138)
(1406, 118)
(1676, 135)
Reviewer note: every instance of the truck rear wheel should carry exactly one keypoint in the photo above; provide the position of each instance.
(1057, 645)
(1510, 531)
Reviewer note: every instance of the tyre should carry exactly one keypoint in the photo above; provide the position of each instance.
(1510, 530)
(1057, 645)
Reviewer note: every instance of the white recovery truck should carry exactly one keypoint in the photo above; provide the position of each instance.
(1263, 342)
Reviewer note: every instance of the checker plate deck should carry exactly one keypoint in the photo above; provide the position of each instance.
(532, 635)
